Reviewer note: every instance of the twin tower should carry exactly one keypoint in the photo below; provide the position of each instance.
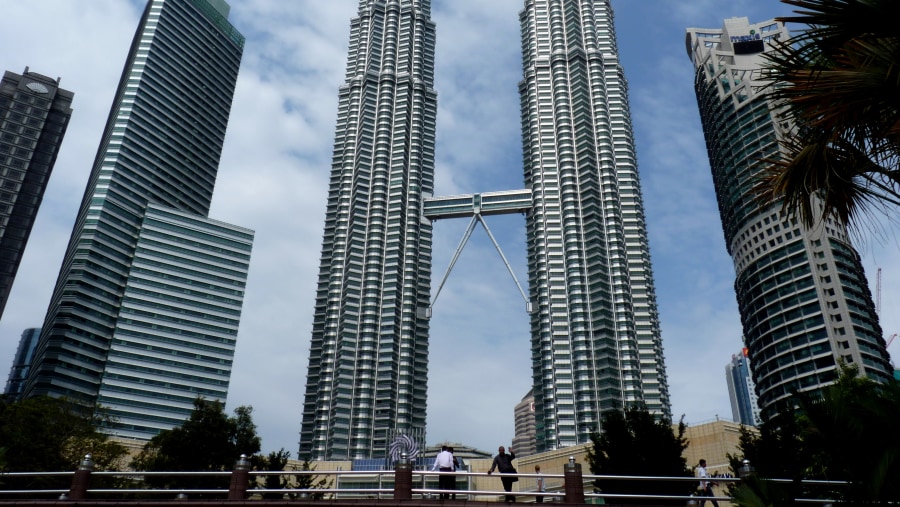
(595, 337)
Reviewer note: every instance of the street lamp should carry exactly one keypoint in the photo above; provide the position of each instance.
(746, 470)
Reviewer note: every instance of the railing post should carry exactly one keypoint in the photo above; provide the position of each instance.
(747, 471)
(403, 478)
(82, 479)
(574, 482)
(240, 479)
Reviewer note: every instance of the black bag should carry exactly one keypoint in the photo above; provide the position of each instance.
(513, 470)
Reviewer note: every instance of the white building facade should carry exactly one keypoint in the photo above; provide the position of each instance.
(805, 304)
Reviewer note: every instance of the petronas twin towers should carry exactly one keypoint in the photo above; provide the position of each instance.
(595, 337)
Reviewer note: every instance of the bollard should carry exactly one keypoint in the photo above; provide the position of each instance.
(240, 479)
(82, 479)
(574, 486)
(403, 478)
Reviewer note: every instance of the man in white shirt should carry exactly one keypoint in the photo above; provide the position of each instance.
(705, 486)
(444, 463)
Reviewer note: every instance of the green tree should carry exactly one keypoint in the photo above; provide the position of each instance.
(775, 452)
(208, 441)
(844, 432)
(840, 82)
(44, 434)
(309, 481)
(851, 430)
(274, 462)
(634, 442)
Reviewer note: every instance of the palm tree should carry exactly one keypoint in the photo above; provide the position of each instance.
(839, 80)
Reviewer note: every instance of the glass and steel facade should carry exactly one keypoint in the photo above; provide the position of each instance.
(178, 322)
(596, 342)
(160, 150)
(742, 390)
(34, 114)
(21, 362)
(803, 297)
(368, 360)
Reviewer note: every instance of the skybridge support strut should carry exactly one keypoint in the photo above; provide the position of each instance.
(477, 218)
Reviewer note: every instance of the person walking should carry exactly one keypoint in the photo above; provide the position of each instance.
(444, 463)
(456, 467)
(503, 463)
(705, 485)
(539, 484)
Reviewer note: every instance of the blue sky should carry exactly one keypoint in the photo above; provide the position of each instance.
(274, 172)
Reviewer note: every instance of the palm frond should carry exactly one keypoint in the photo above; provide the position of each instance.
(839, 83)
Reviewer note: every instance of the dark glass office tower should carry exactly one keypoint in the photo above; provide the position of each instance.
(132, 280)
(595, 343)
(804, 301)
(22, 362)
(34, 114)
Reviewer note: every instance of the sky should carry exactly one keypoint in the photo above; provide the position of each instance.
(274, 172)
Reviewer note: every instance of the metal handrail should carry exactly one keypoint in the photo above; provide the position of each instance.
(420, 477)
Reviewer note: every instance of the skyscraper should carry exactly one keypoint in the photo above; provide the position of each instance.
(742, 390)
(803, 297)
(144, 314)
(595, 336)
(22, 362)
(34, 114)
(368, 360)
(524, 440)
(596, 343)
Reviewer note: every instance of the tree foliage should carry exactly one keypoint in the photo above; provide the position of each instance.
(309, 481)
(275, 461)
(839, 80)
(44, 434)
(208, 441)
(846, 432)
(634, 442)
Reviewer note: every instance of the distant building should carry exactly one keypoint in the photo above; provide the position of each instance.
(524, 442)
(713, 441)
(460, 451)
(145, 312)
(22, 362)
(34, 114)
(804, 300)
(742, 390)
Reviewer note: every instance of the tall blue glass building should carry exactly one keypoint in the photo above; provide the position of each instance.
(742, 390)
(144, 315)
(803, 297)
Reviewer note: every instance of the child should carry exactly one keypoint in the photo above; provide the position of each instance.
(539, 482)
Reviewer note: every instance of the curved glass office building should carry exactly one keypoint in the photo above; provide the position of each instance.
(804, 301)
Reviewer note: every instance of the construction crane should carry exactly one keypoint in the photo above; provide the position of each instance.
(889, 340)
